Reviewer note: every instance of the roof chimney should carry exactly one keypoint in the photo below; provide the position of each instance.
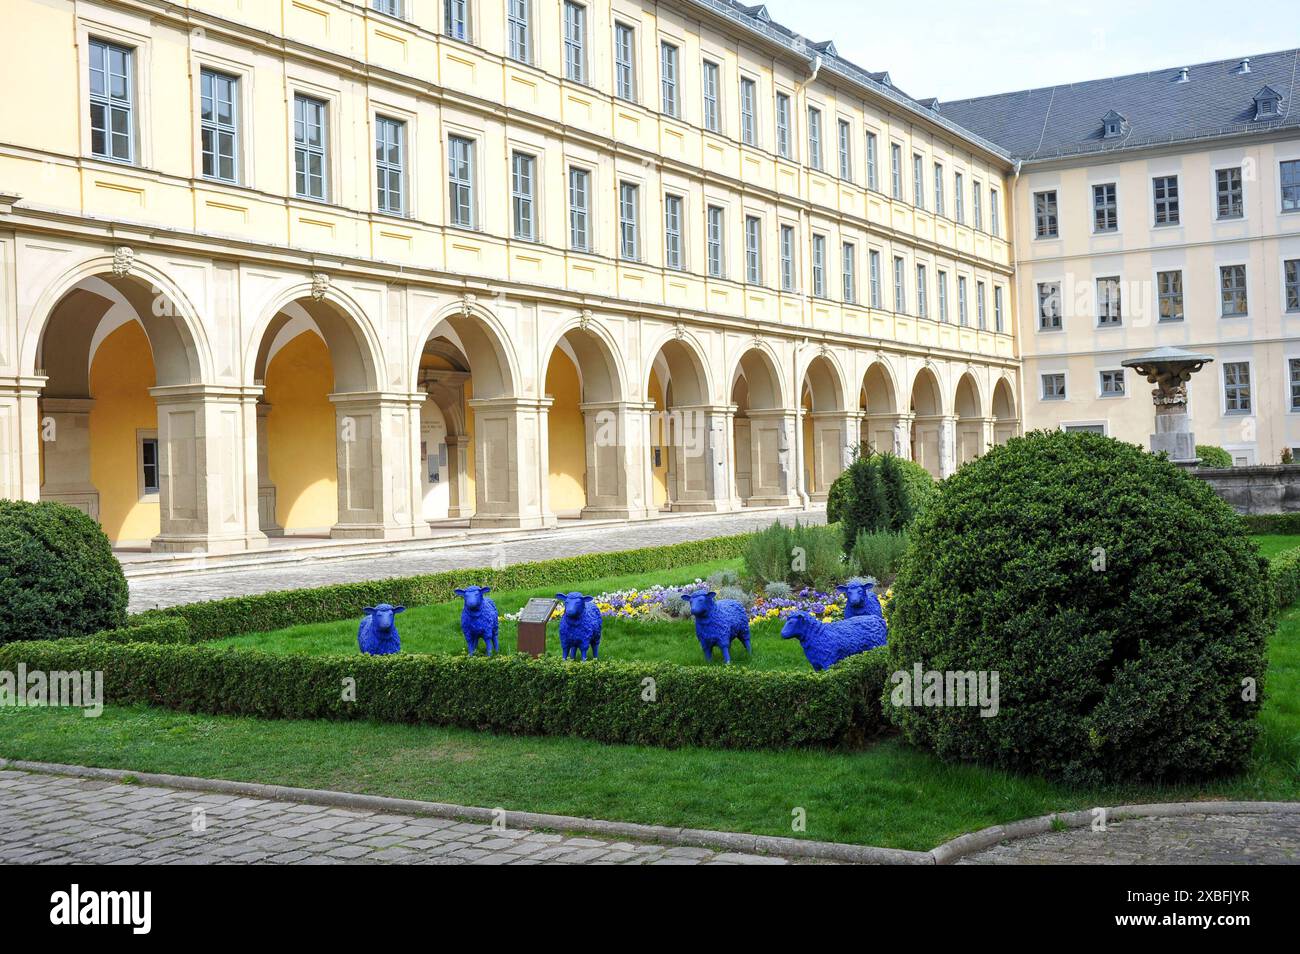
(1182, 75)
(1244, 67)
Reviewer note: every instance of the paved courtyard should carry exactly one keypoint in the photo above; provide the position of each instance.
(59, 820)
(570, 539)
(1259, 839)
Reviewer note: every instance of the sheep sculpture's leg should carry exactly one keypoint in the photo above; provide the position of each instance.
(708, 652)
(726, 655)
(595, 650)
(471, 644)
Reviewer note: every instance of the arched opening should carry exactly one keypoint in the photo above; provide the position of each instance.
(682, 462)
(829, 432)
(970, 420)
(927, 421)
(104, 447)
(1006, 423)
(763, 433)
(589, 427)
(879, 406)
(446, 440)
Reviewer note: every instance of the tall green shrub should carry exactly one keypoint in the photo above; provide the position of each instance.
(767, 554)
(877, 498)
(819, 560)
(1213, 456)
(878, 553)
(58, 575)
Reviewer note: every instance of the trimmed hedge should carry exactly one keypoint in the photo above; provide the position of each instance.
(1272, 523)
(159, 631)
(714, 706)
(218, 619)
(1213, 456)
(1284, 574)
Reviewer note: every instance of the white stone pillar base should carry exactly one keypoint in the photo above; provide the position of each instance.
(772, 433)
(511, 463)
(378, 455)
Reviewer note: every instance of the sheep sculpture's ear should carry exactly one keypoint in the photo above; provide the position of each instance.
(712, 594)
(368, 610)
(459, 592)
(561, 596)
(841, 588)
(399, 609)
(485, 590)
(685, 596)
(588, 599)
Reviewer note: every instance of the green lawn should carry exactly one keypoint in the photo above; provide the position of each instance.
(1272, 544)
(436, 629)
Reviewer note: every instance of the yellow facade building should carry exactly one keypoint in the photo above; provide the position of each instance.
(312, 266)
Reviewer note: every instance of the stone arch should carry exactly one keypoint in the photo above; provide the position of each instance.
(928, 426)
(829, 431)
(764, 431)
(685, 428)
(485, 343)
(1006, 420)
(878, 402)
(971, 419)
(348, 332)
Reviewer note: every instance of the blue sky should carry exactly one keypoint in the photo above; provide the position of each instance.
(954, 49)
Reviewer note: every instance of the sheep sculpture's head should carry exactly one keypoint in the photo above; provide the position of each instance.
(797, 625)
(855, 592)
(701, 602)
(473, 596)
(383, 615)
(575, 604)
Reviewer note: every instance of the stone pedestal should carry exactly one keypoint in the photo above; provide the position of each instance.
(835, 435)
(265, 488)
(460, 502)
(618, 460)
(772, 475)
(1174, 435)
(697, 449)
(20, 461)
(378, 458)
(65, 441)
(511, 460)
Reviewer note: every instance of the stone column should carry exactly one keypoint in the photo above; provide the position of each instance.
(834, 438)
(265, 488)
(988, 433)
(459, 503)
(771, 437)
(20, 437)
(698, 451)
(65, 440)
(511, 463)
(731, 477)
(617, 456)
(378, 456)
(947, 444)
(207, 466)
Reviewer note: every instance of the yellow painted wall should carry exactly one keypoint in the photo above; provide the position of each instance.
(300, 434)
(809, 442)
(568, 438)
(120, 378)
(657, 440)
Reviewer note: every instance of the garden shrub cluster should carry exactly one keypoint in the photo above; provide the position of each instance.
(1213, 456)
(1118, 598)
(799, 556)
(58, 575)
(714, 706)
(1284, 573)
(878, 554)
(170, 630)
(1272, 523)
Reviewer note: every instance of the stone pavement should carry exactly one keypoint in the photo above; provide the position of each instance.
(60, 820)
(566, 541)
(1266, 838)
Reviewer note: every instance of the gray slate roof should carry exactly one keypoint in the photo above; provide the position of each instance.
(1216, 100)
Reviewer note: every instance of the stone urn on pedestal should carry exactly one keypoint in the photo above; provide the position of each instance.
(1169, 369)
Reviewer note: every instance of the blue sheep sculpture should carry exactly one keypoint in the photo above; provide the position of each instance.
(860, 599)
(478, 619)
(825, 644)
(377, 635)
(718, 623)
(579, 626)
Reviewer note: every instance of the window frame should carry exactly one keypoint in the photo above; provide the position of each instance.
(941, 290)
(814, 120)
(126, 105)
(516, 24)
(1291, 286)
(1042, 386)
(1219, 194)
(573, 28)
(305, 148)
(1116, 374)
(674, 231)
(896, 170)
(900, 285)
(784, 126)
(849, 272)
(1291, 166)
(629, 225)
(1163, 295)
(818, 265)
(1054, 322)
(1166, 202)
(145, 437)
(754, 250)
(1248, 386)
(1235, 291)
(217, 128)
(585, 211)
(748, 92)
(715, 240)
(939, 207)
(1047, 215)
(918, 180)
(922, 298)
(524, 203)
(873, 160)
(875, 279)
(628, 92)
(711, 96)
(385, 168)
(670, 94)
(466, 24)
(788, 238)
(456, 185)
(844, 131)
(1110, 306)
(1105, 208)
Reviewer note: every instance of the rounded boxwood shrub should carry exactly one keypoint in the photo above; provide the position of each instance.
(1212, 456)
(1118, 599)
(58, 575)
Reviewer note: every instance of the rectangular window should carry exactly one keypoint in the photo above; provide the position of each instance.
(1164, 191)
(456, 14)
(995, 213)
(629, 232)
(846, 151)
(1291, 282)
(523, 191)
(999, 321)
(715, 239)
(896, 169)
(875, 278)
(753, 250)
(392, 7)
(1112, 383)
(938, 189)
(900, 290)
(112, 101)
(519, 28)
(981, 318)
(460, 181)
(218, 118)
(673, 231)
(922, 299)
(668, 77)
(1105, 208)
(814, 137)
(1045, 221)
(149, 466)
(579, 209)
(787, 258)
(625, 62)
(918, 181)
(943, 295)
(748, 112)
(1169, 292)
(1049, 306)
(1289, 177)
(819, 265)
(309, 139)
(959, 197)
(390, 165)
(849, 271)
(1053, 387)
(575, 42)
(783, 133)
(709, 85)
(963, 311)
(1294, 368)
(1232, 287)
(976, 198)
(1109, 312)
(873, 176)
(1229, 199)
(1236, 387)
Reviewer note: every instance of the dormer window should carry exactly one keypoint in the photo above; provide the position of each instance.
(1113, 125)
(1268, 103)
